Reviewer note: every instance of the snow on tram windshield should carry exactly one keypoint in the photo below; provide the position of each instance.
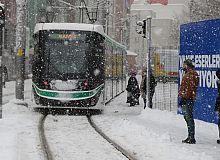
(66, 50)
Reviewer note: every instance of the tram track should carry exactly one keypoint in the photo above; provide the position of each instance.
(110, 141)
(43, 141)
(48, 153)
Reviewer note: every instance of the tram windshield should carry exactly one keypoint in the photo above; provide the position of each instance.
(66, 52)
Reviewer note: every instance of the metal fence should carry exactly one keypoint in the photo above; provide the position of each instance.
(165, 96)
(164, 63)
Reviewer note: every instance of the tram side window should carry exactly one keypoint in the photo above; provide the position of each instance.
(36, 44)
(119, 63)
(114, 63)
(124, 63)
(36, 57)
(97, 52)
(108, 61)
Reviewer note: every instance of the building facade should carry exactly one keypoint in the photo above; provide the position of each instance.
(8, 55)
(163, 17)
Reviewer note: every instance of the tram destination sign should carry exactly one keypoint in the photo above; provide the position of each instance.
(66, 36)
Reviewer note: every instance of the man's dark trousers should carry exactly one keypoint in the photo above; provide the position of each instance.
(187, 110)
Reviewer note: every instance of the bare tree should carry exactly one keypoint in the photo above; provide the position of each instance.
(199, 10)
(204, 9)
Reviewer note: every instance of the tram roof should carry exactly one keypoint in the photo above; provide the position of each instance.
(74, 26)
(69, 26)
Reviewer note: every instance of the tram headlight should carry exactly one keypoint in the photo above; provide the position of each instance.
(46, 84)
(86, 83)
(83, 85)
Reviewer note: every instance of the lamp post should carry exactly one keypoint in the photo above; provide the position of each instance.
(2, 24)
(146, 33)
(148, 36)
(20, 48)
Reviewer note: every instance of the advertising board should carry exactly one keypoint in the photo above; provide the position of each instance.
(200, 42)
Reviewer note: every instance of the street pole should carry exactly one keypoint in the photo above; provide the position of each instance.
(81, 11)
(148, 35)
(1, 69)
(107, 18)
(146, 31)
(2, 23)
(20, 48)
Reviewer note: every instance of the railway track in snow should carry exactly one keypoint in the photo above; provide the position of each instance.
(44, 144)
(49, 154)
(110, 141)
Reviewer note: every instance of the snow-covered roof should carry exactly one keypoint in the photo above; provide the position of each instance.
(130, 53)
(75, 26)
(68, 26)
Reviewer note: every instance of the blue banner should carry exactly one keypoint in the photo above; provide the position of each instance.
(200, 42)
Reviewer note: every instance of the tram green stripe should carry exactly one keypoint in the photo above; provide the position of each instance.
(76, 95)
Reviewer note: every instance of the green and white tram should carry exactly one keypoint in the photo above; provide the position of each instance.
(76, 66)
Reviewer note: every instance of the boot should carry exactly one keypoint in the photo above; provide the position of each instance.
(128, 100)
(145, 103)
(189, 141)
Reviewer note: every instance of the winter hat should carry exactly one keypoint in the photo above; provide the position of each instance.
(189, 63)
(218, 73)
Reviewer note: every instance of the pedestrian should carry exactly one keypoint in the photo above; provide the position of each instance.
(4, 75)
(187, 95)
(217, 103)
(133, 90)
(143, 87)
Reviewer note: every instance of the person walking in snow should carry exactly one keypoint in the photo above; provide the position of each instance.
(4, 75)
(187, 95)
(143, 87)
(133, 90)
(217, 103)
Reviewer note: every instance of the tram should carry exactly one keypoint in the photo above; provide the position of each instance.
(76, 66)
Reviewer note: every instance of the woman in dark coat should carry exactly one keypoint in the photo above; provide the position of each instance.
(4, 75)
(133, 90)
(143, 87)
(217, 104)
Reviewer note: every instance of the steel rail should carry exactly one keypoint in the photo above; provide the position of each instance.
(44, 144)
(113, 143)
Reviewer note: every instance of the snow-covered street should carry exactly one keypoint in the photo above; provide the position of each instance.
(72, 71)
(148, 134)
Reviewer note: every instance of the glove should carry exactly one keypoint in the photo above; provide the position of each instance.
(182, 101)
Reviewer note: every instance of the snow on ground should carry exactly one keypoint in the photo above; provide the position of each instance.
(150, 134)
(76, 139)
(157, 135)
